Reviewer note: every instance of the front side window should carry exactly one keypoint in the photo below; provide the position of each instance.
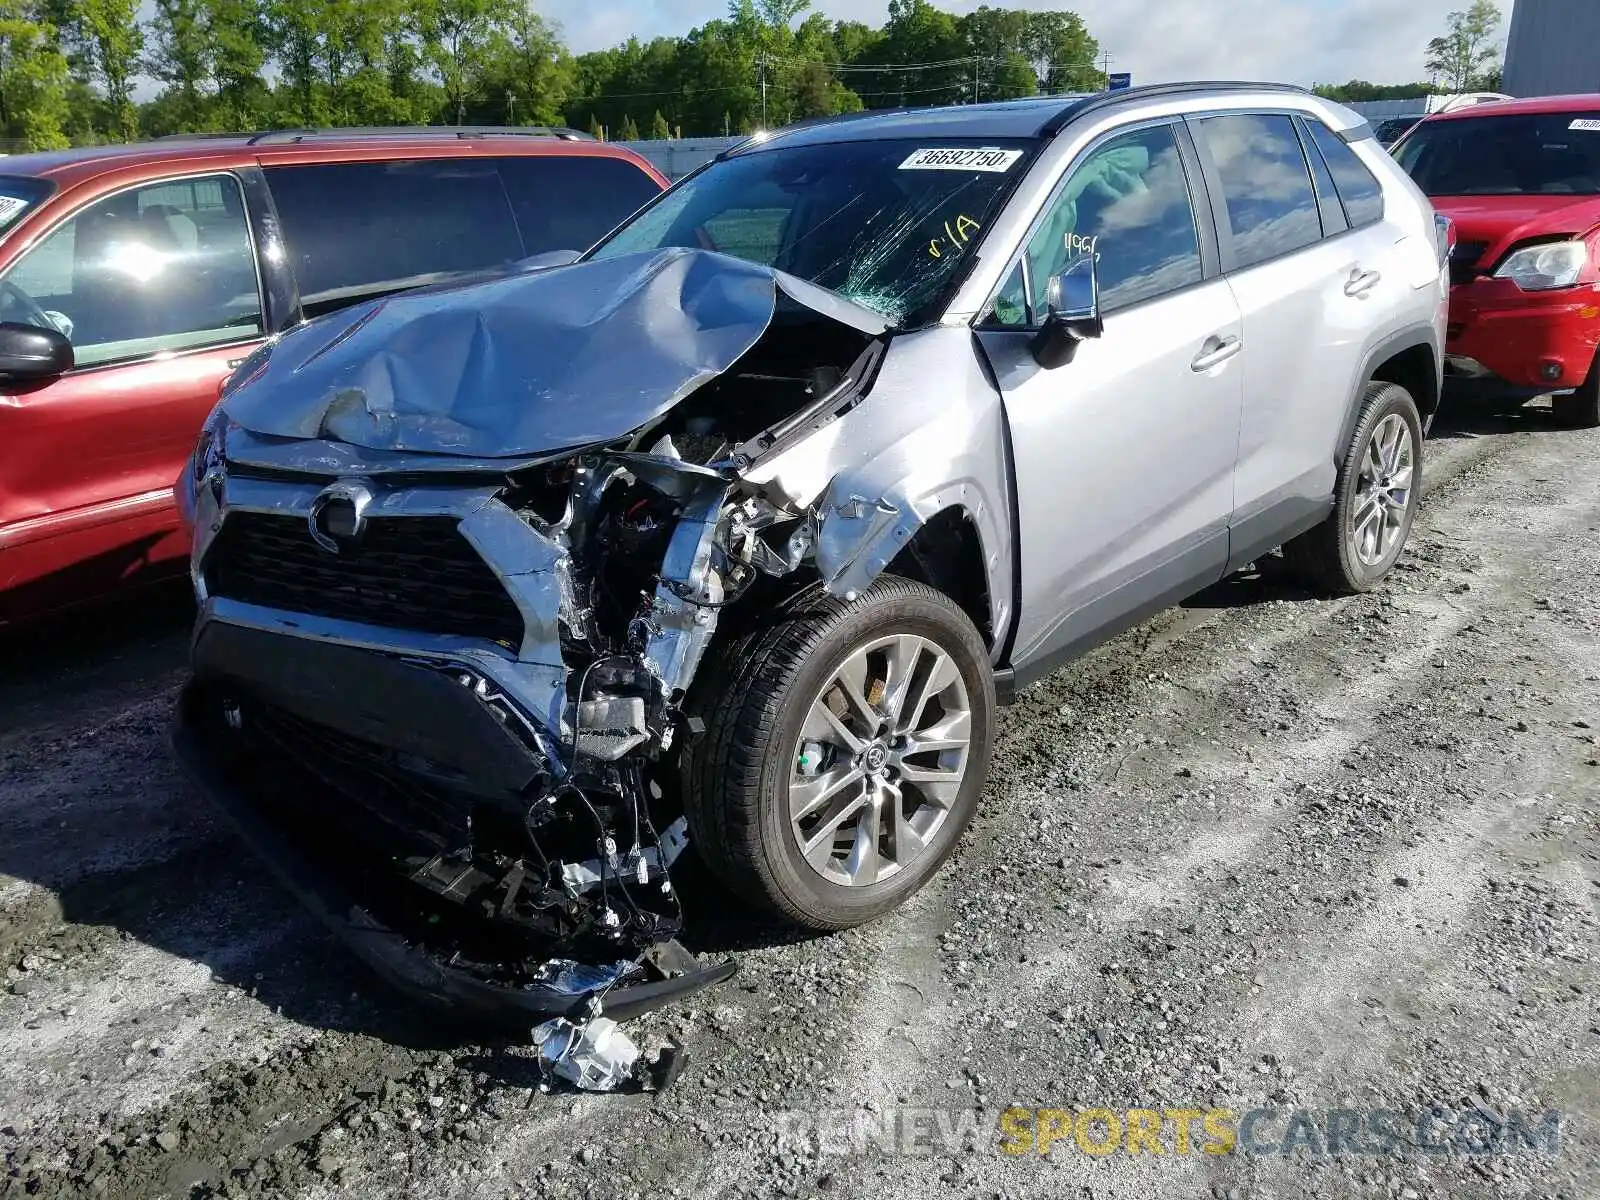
(889, 224)
(570, 202)
(161, 268)
(364, 229)
(1128, 204)
(1544, 154)
(1272, 208)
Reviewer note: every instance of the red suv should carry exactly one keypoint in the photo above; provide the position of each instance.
(133, 278)
(1521, 180)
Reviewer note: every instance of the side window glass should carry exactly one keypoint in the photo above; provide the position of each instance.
(1333, 218)
(167, 267)
(1266, 184)
(1128, 204)
(362, 229)
(1011, 305)
(569, 201)
(1358, 187)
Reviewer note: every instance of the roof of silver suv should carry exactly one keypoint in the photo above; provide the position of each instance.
(1034, 117)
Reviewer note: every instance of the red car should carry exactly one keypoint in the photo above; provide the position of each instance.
(133, 278)
(1521, 180)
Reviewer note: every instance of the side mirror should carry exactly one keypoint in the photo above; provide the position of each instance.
(1072, 313)
(29, 353)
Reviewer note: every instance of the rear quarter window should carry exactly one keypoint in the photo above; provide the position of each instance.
(569, 202)
(1358, 187)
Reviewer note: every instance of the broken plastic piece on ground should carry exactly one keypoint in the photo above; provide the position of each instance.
(579, 979)
(595, 1056)
(668, 1065)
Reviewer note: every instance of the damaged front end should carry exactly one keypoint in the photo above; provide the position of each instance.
(460, 557)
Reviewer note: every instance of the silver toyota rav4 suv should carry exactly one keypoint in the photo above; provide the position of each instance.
(733, 530)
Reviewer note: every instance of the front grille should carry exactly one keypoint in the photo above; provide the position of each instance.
(1464, 261)
(415, 573)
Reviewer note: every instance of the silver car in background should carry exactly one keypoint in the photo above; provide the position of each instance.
(735, 530)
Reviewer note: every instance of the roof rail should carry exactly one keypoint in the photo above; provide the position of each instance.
(1155, 91)
(293, 136)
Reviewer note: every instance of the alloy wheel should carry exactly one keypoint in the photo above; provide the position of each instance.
(880, 760)
(1383, 492)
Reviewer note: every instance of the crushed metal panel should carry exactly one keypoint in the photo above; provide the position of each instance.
(536, 362)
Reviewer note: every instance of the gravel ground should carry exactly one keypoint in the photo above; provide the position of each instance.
(1263, 851)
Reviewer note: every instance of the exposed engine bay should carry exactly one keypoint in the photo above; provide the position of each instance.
(493, 786)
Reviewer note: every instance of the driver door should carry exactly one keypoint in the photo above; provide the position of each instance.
(156, 287)
(1125, 456)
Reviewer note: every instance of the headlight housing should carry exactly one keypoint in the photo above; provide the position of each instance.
(1545, 267)
(209, 448)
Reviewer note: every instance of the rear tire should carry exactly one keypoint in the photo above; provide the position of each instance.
(806, 720)
(1580, 410)
(1375, 499)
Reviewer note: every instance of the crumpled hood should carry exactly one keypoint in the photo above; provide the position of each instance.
(537, 362)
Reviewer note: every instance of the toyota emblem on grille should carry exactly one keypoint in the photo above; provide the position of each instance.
(339, 513)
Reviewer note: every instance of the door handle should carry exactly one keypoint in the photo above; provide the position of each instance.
(1216, 351)
(1361, 283)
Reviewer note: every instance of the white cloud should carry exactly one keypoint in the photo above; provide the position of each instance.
(1291, 41)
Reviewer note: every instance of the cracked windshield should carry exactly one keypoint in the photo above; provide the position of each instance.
(888, 224)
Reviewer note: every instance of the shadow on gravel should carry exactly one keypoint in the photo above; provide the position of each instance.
(1476, 412)
(121, 642)
(1267, 581)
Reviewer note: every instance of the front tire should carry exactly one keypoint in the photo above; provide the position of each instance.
(1375, 499)
(846, 747)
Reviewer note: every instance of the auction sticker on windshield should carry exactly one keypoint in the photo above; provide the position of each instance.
(1586, 125)
(977, 159)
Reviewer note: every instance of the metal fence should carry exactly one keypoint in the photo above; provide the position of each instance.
(676, 157)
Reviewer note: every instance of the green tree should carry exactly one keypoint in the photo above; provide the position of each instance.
(659, 129)
(180, 56)
(629, 131)
(1469, 49)
(240, 36)
(1359, 90)
(33, 79)
(1015, 78)
(456, 36)
(531, 68)
(113, 39)
(1062, 52)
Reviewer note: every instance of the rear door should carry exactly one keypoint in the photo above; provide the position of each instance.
(1124, 457)
(1312, 283)
(157, 288)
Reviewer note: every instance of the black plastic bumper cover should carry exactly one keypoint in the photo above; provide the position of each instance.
(402, 964)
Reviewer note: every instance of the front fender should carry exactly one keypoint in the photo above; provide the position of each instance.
(929, 437)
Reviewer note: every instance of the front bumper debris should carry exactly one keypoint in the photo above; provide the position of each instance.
(422, 974)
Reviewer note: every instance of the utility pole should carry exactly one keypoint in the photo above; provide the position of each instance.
(1105, 69)
(761, 66)
(511, 108)
(975, 63)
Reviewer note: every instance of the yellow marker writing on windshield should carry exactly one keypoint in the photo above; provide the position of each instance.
(959, 236)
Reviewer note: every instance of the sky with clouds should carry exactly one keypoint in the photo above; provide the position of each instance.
(1289, 41)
